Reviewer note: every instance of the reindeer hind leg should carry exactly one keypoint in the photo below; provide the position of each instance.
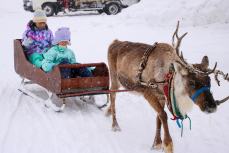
(114, 86)
(115, 126)
(111, 110)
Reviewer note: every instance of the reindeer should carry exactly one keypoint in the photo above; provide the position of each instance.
(143, 68)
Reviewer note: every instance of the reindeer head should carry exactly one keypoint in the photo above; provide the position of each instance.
(195, 79)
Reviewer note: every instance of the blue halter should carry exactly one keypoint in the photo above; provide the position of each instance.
(179, 120)
(198, 92)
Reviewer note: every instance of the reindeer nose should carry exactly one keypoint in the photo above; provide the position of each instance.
(213, 105)
(211, 108)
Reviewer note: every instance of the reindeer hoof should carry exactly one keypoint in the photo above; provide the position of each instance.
(157, 146)
(108, 113)
(116, 128)
(168, 148)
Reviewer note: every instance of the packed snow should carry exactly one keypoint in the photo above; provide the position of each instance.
(26, 126)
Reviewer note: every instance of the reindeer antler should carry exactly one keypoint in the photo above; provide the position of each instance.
(218, 102)
(178, 43)
(213, 70)
(218, 72)
(189, 67)
(180, 54)
(176, 46)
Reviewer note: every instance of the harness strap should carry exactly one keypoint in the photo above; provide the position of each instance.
(198, 92)
(176, 110)
(142, 66)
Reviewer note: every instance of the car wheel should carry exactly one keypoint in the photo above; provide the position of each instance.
(112, 9)
(49, 9)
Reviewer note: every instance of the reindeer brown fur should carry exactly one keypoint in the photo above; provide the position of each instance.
(124, 58)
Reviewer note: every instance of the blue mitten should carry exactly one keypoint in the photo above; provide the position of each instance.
(47, 66)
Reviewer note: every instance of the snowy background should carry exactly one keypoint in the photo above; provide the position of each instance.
(27, 127)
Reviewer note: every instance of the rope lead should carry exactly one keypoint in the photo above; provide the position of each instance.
(180, 124)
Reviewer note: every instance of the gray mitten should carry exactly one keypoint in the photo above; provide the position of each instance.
(27, 42)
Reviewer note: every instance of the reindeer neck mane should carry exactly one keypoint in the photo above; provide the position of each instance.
(184, 102)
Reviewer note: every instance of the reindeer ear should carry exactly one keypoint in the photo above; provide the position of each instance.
(204, 63)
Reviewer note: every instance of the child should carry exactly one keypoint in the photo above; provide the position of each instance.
(37, 38)
(61, 54)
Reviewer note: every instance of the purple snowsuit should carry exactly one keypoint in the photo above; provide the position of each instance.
(35, 40)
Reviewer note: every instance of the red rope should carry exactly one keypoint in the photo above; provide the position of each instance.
(166, 87)
(168, 78)
(63, 95)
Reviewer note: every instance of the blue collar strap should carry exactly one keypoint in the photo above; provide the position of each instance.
(198, 92)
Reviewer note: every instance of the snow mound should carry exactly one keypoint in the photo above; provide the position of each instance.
(167, 12)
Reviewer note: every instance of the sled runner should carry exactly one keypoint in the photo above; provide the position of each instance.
(55, 84)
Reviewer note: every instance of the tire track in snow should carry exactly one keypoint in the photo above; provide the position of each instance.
(106, 135)
(11, 119)
(31, 108)
(97, 123)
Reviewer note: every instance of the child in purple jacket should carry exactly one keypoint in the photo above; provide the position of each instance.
(37, 38)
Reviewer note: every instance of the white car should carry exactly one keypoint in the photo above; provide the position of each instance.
(51, 7)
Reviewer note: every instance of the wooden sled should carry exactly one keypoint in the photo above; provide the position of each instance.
(54, 84)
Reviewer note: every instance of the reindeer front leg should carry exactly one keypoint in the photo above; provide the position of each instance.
(168, 144)
(157, 143)
(154, 102)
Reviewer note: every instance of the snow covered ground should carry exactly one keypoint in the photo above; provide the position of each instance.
(27, 127)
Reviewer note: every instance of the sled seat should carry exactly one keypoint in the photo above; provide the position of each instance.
(52, 81)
